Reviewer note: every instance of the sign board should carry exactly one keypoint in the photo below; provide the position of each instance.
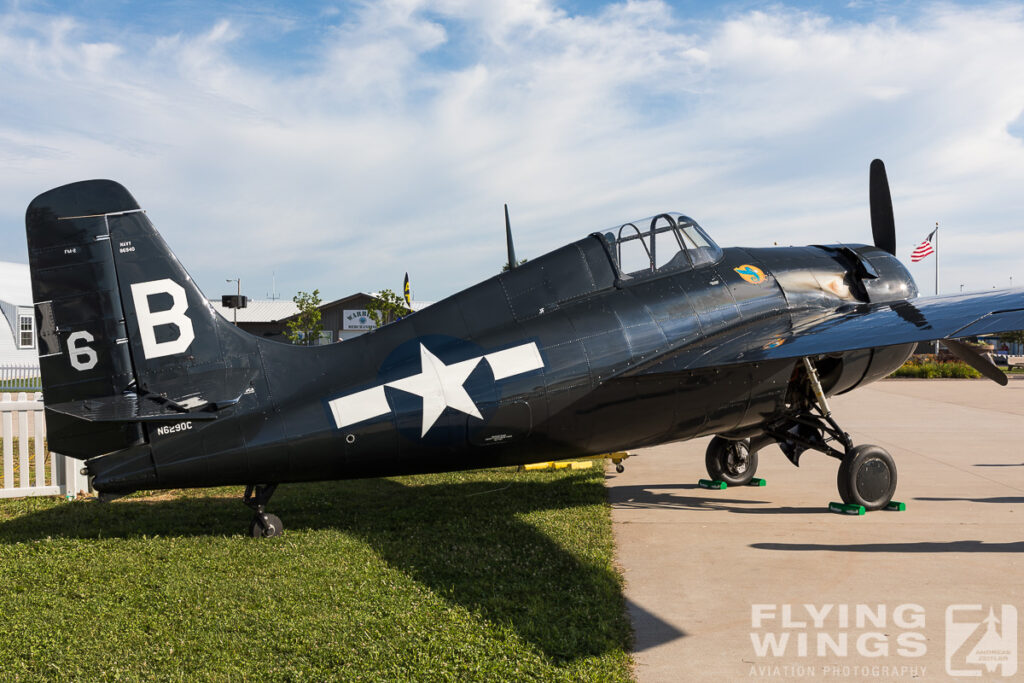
(357, 320)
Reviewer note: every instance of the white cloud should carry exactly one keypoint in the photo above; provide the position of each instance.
(394, 144)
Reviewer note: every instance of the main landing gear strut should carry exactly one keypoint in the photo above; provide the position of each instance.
(264, 524)
(867, 474)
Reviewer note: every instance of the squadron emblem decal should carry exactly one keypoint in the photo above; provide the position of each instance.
(440, 385)
(751, 274)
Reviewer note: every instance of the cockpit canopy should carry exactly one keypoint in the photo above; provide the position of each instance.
(668, 241)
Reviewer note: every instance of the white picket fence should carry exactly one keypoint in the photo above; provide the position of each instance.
(29, 469)
(20, 377)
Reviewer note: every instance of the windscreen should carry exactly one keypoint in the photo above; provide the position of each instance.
(668, 241)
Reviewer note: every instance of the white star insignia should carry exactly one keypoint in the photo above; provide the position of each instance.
(438, 384)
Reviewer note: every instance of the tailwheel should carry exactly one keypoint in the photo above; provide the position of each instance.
(731, 461)
(265, 526)
(867, 476)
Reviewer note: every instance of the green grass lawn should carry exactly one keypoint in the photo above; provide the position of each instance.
(488, 575)
(16, 386)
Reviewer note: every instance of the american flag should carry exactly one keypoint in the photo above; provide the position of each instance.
(924, 249)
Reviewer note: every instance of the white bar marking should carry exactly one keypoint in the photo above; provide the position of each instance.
(360, 406)
(515, 361)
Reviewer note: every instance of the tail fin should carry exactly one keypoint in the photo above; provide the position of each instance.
(125, 336)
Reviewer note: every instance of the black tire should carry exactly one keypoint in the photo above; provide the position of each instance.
(731, 461)
(867, 476)
(270, 527)
(842, 485)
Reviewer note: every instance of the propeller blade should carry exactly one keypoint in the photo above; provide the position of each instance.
(883, 227)
(970, 355)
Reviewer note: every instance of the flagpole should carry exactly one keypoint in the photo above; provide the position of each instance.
(936, 275)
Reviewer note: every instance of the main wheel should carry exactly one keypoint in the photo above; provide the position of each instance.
(269, 527)
(867, 476)
(731, 461)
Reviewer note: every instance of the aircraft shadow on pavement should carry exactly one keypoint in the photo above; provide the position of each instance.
(645, 497)
(465, 541)
(651, 631)
(909, 547)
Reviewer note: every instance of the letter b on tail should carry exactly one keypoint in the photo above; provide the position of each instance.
(150, 320)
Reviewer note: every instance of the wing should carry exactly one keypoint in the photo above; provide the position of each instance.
(857, 327)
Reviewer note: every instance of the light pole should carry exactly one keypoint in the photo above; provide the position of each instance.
(235, 309)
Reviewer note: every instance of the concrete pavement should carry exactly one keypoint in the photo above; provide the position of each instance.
(766, 584)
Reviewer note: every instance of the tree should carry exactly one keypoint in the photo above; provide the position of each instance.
(1016, 337)
(306, 326)
(386, 307)
(506, 268)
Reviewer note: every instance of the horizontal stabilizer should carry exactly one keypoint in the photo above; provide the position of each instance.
(128, 408)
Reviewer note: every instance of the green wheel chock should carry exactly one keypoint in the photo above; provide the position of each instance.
(896, 506)
(757, 482)
(846, 509)
(712, 484)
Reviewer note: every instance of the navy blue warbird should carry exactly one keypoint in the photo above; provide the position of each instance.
(643, 334)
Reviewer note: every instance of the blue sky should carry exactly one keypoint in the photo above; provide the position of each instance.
(341, 144)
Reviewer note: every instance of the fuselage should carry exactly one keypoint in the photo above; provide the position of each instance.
(563, 356)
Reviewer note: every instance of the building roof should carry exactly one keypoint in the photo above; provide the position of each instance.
(15, 283)
(420, 305)
(15, 293)
(345, 300)
(259, 310)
